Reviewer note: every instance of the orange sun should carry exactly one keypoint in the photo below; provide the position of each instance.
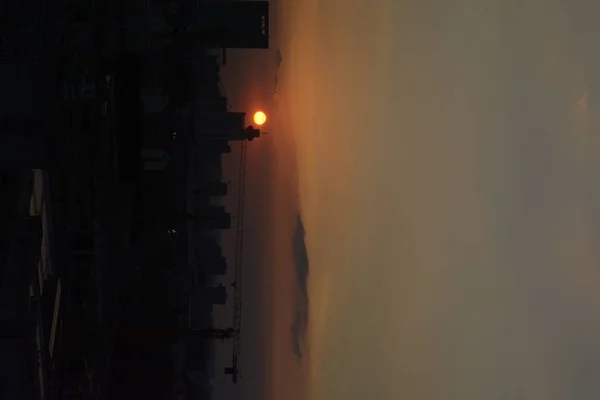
(260, 118)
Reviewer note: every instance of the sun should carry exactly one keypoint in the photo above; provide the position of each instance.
(260, 118)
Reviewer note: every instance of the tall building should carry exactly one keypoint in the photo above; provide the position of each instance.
(216, 295)
(216, 265)
(215, 147)
(237, 24)
(212, 189)
(225, 126)
(215, 217)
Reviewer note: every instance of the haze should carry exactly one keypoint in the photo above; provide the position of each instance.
(447, 157)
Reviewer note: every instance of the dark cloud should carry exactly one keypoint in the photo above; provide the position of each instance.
(300, 255)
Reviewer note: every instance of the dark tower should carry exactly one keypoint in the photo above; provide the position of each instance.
(216, 189)
(216, 265)
(216, 217)
(216, 295)
(237, 24)
(231, 371)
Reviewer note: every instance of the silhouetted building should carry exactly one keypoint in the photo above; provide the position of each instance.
(215, 217)
(225, 126)
(213, 104)
(196, 353)
(218, 122)
(213, 189)
(237, 24)
(209, 246)
(216, 147)
(231, 371)
(216, 295)
(215, 264)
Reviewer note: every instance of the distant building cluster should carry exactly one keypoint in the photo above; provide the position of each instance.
(112, 132)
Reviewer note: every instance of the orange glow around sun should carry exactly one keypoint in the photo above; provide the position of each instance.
(260, 118)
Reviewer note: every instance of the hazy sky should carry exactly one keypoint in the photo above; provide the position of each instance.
(443, 156)
(268, 363)
(447, 157)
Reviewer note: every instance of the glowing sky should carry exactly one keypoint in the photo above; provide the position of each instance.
(447, 159)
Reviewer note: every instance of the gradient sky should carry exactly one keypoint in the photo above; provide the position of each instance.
(443, 156)
(269, 367)
(447, 158)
